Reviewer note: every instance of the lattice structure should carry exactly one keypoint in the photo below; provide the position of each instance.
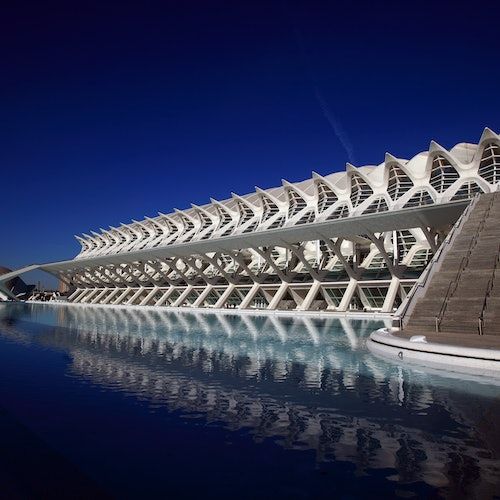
(353, 240)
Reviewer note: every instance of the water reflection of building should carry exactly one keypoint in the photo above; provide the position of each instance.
(302, 390)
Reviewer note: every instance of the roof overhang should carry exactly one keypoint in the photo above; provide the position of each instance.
(351, 228)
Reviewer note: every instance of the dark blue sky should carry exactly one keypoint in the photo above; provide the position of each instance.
(115, 110)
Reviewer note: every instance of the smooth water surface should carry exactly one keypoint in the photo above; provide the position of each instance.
(120, 402)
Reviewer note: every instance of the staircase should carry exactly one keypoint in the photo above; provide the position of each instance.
(464, 295)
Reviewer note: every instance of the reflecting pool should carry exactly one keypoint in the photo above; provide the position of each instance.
(141, 402)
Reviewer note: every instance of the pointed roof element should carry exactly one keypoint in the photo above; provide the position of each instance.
(434, 147)
(390, 158)
(268, 195)
(182, 213)
(488, 134)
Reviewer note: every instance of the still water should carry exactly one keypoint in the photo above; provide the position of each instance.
(114, 402)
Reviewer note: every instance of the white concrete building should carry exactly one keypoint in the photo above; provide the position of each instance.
(354, 240)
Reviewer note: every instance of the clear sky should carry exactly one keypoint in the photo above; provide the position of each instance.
(115, 110)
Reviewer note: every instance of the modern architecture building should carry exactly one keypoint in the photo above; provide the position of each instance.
(352, 240)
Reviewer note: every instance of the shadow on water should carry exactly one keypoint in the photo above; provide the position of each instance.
(306, 384)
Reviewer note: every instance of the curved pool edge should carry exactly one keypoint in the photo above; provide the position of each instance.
(474, 361)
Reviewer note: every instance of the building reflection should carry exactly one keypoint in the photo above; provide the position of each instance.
(293, 381)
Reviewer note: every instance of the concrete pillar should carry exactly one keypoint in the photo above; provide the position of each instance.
(78, 297)
(311, 295)
(163, 299)
(74, 294)
(93, 292)
(203, 295)
(183, 296)
(391, 295)
(136, 294)
(278, 296)
(113, 293)
(149, 296)
(225, 296)
(245, 303)
(348, 295)
(96, 299)
(121, 296)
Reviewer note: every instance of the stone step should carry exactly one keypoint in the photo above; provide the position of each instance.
(477, 248)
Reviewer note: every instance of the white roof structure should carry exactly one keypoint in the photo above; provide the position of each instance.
(352, 240)
(435, 176)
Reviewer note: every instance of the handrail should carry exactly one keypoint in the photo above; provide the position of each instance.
(450, 291)
(422, 282)
(452, 288)
(489, 287)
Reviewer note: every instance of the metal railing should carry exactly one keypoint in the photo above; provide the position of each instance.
(464, 263)
(428, 272)
(489, 288)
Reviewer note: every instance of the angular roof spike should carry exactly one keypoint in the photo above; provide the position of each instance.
(434, 146)
(488, 134)
(241, 199)
(268, 195)
(390, 158)
(219, 205)
(183, 213)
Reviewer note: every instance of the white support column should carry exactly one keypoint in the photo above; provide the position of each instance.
(203, 295)
(90, 295)
(74, 294)
(149, 296)
(297, 297)
(111, 295)
(136, 294)
(83, 297)
(96, 299)
(250, 295)
(278, 296)
(223, 298)
(165, 296)
(336, 248)
(182, 296)
(266, 255)
(378, 241)
(430, 236)
(348, 295)
(76, 298)
(311, 295)
(299, 253)
(392, 293)
(121, 296)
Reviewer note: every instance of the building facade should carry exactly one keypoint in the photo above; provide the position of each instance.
(353, 240)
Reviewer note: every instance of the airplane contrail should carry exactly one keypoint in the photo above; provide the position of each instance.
(335, 124)
(329, 115)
